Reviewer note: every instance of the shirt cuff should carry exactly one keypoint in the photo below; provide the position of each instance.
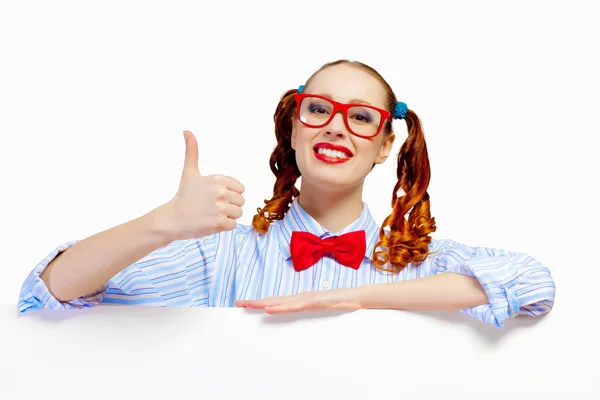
(497, 272)
(35, 295)
(499, 277)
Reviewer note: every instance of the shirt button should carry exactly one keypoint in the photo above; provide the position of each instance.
(325, 284)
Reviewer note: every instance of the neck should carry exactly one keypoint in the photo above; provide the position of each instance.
(332, 210)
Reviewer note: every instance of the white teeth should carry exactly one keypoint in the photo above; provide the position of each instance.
(331, 153)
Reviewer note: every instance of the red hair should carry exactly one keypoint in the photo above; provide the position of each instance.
(408, 238)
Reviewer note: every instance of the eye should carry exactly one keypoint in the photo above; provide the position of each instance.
(318, 109)
(365, 118)
(361, 116)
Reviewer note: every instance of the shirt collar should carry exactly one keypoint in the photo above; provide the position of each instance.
(297, 219)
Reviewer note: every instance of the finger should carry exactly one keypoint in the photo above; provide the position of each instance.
(249, 305)
(235, 198)
(234, 185)
(227, 224)
(240, 303)
(243, 304)
(190, 165)
(233, 211)
(268, 302)
(254, 305)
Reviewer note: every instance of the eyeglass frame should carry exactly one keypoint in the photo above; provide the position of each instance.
(337, 107)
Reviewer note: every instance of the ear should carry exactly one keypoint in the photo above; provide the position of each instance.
(293, 137)
(384, 150)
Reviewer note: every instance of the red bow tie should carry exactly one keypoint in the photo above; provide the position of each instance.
(306, 249)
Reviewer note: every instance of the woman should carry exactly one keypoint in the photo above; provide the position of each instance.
(316, 249)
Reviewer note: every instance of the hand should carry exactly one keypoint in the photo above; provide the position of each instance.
(203, 205)
(336, 299)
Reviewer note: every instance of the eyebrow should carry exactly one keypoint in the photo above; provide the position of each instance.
(352, 101)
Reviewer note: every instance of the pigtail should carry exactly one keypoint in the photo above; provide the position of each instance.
(407, 239)
(283, 165)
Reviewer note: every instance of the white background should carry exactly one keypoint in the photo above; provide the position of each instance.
(94, 99)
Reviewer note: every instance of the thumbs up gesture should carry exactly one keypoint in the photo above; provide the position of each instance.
(203, 205)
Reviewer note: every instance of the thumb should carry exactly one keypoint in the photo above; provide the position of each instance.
(190, 165)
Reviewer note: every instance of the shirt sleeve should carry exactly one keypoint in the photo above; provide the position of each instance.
(176, 274)
(515, 283)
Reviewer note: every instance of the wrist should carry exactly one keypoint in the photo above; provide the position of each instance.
(158, 224)
(382, 296)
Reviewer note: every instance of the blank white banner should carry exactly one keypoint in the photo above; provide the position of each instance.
(227, 353)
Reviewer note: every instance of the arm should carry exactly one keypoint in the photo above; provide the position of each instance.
(203, 206)
(447, 291)
(458, 276)
(489, 284)
(123, 265)
(87, 265)
(177, 274)
(437, 292)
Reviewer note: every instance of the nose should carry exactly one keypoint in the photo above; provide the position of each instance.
(336, 126)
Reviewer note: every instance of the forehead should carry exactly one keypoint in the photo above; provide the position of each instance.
(344, 82)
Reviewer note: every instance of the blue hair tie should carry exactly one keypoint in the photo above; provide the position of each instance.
(300, 88)
(400, 110)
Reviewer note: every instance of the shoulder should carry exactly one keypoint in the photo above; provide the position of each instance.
(451, 251)
(441, 245)
(436, 246)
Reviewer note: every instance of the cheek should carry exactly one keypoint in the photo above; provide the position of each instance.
(301, 139)
(367, 150)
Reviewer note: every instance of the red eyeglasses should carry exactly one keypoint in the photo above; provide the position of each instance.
(361, 120)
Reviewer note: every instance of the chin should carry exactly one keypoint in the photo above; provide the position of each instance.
(327, 176)
(327, 180)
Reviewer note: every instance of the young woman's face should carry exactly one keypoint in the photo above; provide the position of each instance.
(324, 168)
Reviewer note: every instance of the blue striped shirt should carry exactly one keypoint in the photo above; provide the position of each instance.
(216, 270)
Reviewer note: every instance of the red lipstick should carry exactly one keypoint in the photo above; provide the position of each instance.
(332, 160)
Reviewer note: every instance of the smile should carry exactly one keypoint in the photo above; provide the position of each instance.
(331, 153)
